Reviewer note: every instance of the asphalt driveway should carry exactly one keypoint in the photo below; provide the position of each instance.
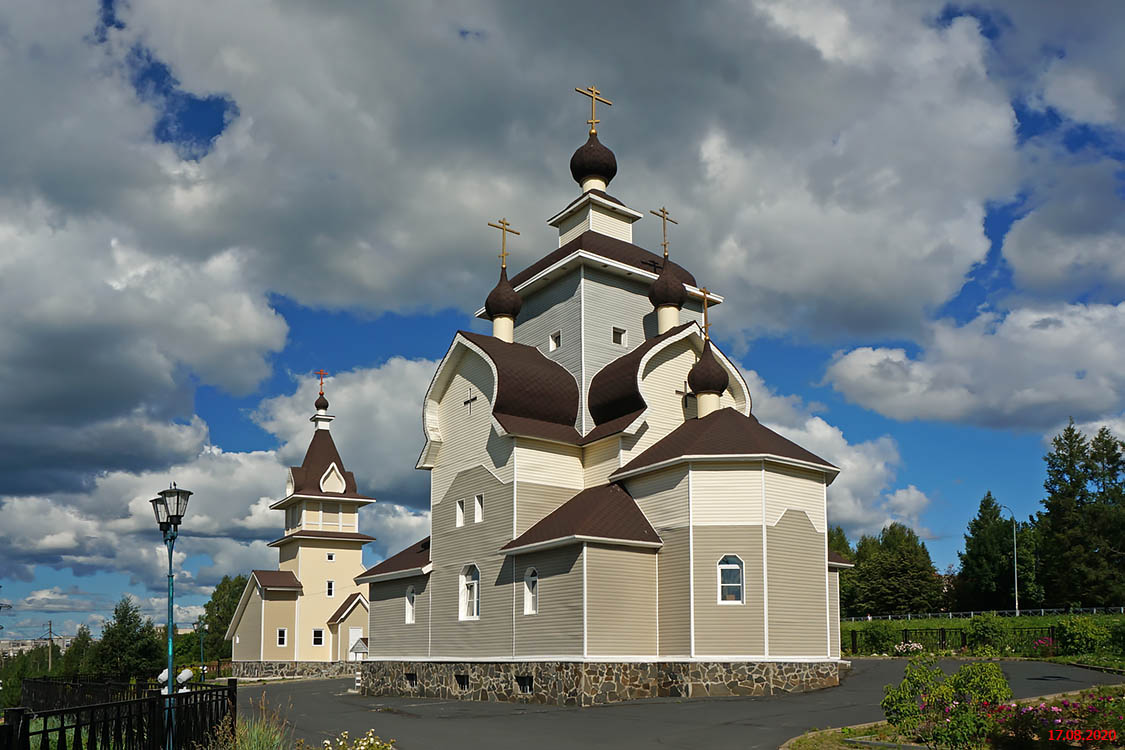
(320, 709)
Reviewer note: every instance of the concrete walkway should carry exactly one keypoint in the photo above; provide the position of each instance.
(320, 709)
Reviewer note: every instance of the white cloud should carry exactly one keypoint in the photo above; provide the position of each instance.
(1077, 94)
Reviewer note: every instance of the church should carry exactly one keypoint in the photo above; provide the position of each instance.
(609, 520)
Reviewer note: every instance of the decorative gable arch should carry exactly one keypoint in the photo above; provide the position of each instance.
(332, 480)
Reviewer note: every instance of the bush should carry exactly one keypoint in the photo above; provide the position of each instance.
(1081, 635)
(986, 632)
(904, 704)
(880, 636)
(1117, 637)
(369, 741)
(979, 681)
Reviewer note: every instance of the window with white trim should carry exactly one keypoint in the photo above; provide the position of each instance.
(318, 636)
(620, 337)
(460, 512)
(478, 508)
(410, 605)
(331, 589)
(470, 593)
(555, 341)
(531, 591)
(731, 580)
(331, 557)
(281, 636)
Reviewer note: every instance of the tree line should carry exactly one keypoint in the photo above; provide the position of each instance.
(130, 646)
(1070, 554)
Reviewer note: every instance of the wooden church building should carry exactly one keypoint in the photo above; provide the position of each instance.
(608, 518)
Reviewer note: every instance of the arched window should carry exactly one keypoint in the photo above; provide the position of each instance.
(531, 591)
(731, 580)
(470, 593)
(409, 605)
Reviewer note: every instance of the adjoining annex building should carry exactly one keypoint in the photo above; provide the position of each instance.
(608, 519)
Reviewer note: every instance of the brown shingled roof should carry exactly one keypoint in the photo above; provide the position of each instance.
(344, 536)
(343, 608)
(530, 385)
(276, 579)
(724, 432)
(415, 556)
(835, 557)
(320, 455)
(613, 391)
(607, 247)
(607, 511)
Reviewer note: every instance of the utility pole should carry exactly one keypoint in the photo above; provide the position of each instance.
(50, 647)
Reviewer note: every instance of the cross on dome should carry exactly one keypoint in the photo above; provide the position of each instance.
(664, 219)
(595, 97)
(706, 322)
(505, 230)
(321, 373)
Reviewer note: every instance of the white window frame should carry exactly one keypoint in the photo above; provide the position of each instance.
(320, 632)
(330, 589)
(478, 508)
(460, 513)
(331, 557)
(409, 597)
(554, 341)
(720, 566)
(468, 598)
(531, 591)
(624, 335)
(282, 637)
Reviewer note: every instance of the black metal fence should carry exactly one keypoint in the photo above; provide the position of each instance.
(137, 723)
(50, 693)
(940, 639)
(969, 614)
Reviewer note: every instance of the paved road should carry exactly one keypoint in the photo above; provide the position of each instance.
(320, 709)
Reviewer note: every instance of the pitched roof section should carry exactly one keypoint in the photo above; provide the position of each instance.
(836, 560)
(416, 556)
(339, 536)
(320, 455)
(614, 391)
(277, 579)
(603, 512)
(725, 432)
(342, 611)
(607, 247)
(529, 385)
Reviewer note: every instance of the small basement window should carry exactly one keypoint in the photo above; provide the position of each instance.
(411, 679)
(620, 337)
(462, 681)
(555, 341)
(525, 683)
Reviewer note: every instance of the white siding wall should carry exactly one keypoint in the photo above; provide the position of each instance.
(556, 307)
(662, 496)
(549, 463)
(726, 494)
(834, 612)
(600, 459)
(788, 487)
(604, 222)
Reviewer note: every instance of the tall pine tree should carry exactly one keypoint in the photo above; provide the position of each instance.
(985, 580)
(1068, 562)
(894, 574)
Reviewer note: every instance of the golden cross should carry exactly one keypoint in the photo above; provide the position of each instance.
(664, 219)
(505, 230)
(321, 373)
(706, 323)
(594, 94)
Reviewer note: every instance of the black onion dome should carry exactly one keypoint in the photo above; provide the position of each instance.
(707, 375)
(592, 159)
(667, 289)
(321, 403)
(503, 299)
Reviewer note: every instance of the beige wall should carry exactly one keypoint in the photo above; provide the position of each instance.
(662, 496)
(834, 611)
(314, 606)
(600, 459)
(789, 487)
(621, 596)
(726, 494)
(248, 636)
(388, 634)
(556, 629)
(358, 618)
(673, 579)
(280, 609)
(535, 501)
(548, 463)
(728, 629)
(798, 620)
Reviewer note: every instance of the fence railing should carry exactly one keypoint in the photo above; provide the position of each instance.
(1037, 612)
(49, 693)
(940, 639)
(129, 724)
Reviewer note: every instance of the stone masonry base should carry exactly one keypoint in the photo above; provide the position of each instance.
(260, 669)
(591, 683)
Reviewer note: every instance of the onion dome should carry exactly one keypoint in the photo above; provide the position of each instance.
(592, 159)
(707, 375)
(503, 299)
(667, 289)
(321, 403)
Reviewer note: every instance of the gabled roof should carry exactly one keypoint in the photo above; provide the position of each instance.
(321, 454)
(360, 646)
(354, 599)
(614, 391)
(725, 433)
(282, 580)
(340, 536)
(606, 513)
(836, 560)
(414, 560)
(607, 247)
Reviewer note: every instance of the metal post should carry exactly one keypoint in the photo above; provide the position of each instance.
(1015, 559)
(170, 708)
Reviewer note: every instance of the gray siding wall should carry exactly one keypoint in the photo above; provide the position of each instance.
(834, 612)
(728, 629)
(388, 634)
(798, 620)
(556, 629)
(621, 595)
(675, 614)
(556, 307)
(662, 496)
(534, 501)
(452, 548)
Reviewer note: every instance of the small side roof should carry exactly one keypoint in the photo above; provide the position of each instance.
(836, 560)
(412, 561)
(354, 600)
(280, 580)
(338, 536)
(606, 513)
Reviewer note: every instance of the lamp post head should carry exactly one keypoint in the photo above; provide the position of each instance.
(175, 503)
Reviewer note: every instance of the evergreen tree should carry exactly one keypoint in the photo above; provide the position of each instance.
(78, 654)
(218, 612)
(1106, 518)
(838, 543)
(1062, 525)
(895, 575)
(985, 580)
(1031, 588)
(130, 646)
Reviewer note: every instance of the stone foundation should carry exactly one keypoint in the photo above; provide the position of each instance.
(259, 669)
(591, 683)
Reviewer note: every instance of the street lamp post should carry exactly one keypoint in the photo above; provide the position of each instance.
(200, 629)
(170, 507)
(1015, 560)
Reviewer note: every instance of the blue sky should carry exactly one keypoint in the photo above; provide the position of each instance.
(913, 211)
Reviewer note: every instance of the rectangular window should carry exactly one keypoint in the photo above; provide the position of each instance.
(281, 633)
(462, 681)
(412, 679)
(331, 557)
(318, 637)
(460, 512)
(555, 341)
(331, 589)
(478, 509)
(525, 683)
(620, 337)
